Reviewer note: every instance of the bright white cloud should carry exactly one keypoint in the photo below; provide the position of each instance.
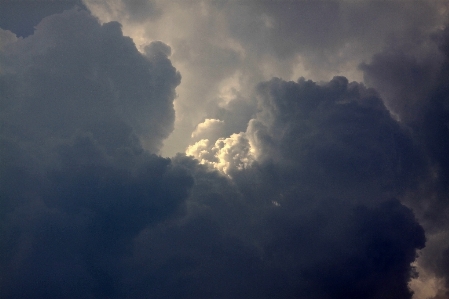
(226, 154)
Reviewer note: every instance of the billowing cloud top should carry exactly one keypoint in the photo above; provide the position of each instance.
(288, 188)
(74, 75)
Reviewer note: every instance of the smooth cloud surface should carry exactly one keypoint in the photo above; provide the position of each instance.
(290, 188)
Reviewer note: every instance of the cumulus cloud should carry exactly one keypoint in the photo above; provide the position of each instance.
(233, 44)
(81, 109)
(226, 154)
(74, 74)
(291, 188)
(217, 42)
(327, 160)
(326, 157)
(339, 133)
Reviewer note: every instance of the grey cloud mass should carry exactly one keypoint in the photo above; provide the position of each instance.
(22, 21)
(339, 133)
(74, 74)
(415, 85)
(320, 187)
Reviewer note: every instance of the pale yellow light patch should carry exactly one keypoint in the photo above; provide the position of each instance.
(225, 155)
(233, 153)
(427, 285)
(201, 151)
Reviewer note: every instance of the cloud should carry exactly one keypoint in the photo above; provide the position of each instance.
(6, 37)
(327, 160)
(81, 109)
(339, 133)
(213, 41)
(235, 243)
(414, 82)
(208, 129)
(69, 237)
(21, 17)
(226, 154)
(300, 188)
(74, 74)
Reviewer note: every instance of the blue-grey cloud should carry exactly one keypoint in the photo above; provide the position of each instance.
(328, 160)
(79, 105)
(414, 81)
(22, 16)
(75, 75)
(88, 210)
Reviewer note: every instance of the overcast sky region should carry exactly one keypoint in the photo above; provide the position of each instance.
(224, 149)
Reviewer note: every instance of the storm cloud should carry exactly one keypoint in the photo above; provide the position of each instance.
(415, 86)
(81, 111)
(319, 187)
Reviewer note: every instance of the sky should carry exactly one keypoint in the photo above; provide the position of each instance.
(224, 149)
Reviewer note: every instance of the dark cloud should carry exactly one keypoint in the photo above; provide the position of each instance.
(240, 245)
(70, 237)
(306, 206)
(21, 16)
(328, 160)
(339, 134)
(78, 101)
(74, 74)
(415, 84)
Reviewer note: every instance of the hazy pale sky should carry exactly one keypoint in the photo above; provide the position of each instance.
(224, 149)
